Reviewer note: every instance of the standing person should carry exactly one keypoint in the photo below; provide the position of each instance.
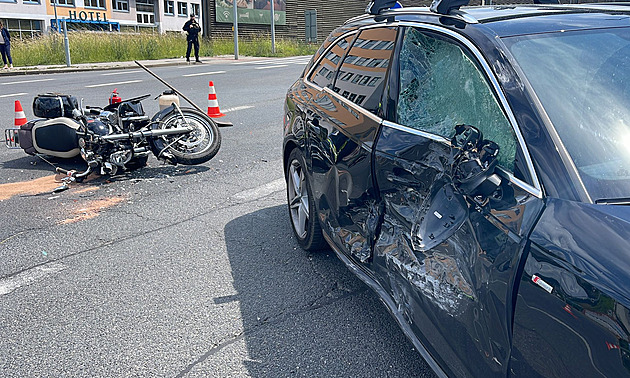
(5, 46)
(193, 29)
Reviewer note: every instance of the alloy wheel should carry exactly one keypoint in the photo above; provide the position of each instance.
(298, 199)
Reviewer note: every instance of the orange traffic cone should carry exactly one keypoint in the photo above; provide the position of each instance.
(20, 117)
(213, 104)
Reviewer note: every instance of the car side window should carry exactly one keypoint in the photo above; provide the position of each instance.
(441, 86)
(361, 76)
(324, 73)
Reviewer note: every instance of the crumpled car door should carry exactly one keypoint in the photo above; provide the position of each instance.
(447, 257)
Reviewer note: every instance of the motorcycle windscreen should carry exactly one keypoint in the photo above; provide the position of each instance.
(56, 137)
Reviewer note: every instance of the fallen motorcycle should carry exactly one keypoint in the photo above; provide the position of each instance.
(117, 136)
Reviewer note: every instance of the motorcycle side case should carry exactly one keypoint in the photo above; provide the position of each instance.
(53, 105)
(55, 137)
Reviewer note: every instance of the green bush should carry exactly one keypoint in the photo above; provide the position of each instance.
(93, 47)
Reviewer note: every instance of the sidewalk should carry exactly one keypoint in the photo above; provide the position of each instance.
(44, 69)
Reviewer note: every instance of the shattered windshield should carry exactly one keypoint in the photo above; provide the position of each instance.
(582, 79)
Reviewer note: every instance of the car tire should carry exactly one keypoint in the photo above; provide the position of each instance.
(301, 204)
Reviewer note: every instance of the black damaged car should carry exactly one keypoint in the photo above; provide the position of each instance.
(473, 167)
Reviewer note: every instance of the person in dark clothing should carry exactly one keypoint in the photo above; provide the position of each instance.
(193, 29)
(5, 46)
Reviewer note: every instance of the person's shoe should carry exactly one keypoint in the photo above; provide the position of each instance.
(11, 66)
(5, 66)
(188, 59)
(198, 61)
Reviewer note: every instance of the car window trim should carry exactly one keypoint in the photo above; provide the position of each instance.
(354, 106)
(534, 188)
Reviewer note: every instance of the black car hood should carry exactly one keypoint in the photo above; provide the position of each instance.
(592, 240)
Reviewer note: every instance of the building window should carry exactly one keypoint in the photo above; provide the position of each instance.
(147, 6)
(194, 9)
(145, 18)
(23, 28)
(120, 5)
(31, 1)
(145, 11)
(95, 4)
(169, 7)
(182, 9)
(63, 2)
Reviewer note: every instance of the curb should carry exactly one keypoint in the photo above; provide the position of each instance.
(40, 70)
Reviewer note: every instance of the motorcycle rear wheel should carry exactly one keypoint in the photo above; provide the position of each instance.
(196, 147)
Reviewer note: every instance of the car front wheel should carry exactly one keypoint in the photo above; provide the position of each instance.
(302, 205)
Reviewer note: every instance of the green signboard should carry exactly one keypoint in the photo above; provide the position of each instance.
(251, 11)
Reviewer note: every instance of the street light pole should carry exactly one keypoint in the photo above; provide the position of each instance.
(273, 30)
(56, 18)
(235, 30)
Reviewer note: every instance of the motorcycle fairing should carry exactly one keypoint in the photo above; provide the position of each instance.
(56, 137)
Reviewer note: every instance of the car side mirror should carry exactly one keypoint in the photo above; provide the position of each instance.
(474, 162)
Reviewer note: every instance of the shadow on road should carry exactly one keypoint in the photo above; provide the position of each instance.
(305, 313)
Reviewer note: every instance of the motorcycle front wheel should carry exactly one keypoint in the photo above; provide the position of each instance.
(195, 147)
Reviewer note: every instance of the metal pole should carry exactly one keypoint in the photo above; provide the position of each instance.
(219, 123)
(273, 30)
(66, 42)
(235, 30)
(56, 18)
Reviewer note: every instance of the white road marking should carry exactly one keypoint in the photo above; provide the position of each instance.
(204, 73)
(13, 94)
(278, 61)
(236, 108)
(8, 285)
(261, 191)
(26, 81)
(188, 66)
(115, 83)
(120, 73)
(266, 67)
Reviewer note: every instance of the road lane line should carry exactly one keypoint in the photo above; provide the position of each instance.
(204, 73)
(8, 285)
(266, 67)
(120, 73)
(26, 81)
(13, 94)
(261, 191)
(236, 108)
(115, 83)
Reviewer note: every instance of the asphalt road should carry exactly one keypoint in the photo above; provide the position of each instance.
(180, 271)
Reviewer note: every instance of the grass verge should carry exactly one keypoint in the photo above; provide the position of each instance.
(93, 47)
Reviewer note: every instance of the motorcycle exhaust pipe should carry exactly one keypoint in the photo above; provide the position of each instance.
(139, 135)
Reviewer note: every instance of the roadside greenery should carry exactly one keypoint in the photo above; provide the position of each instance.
(93, 47)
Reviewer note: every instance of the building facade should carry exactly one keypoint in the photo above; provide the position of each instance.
(27, 18)
(293, 18)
